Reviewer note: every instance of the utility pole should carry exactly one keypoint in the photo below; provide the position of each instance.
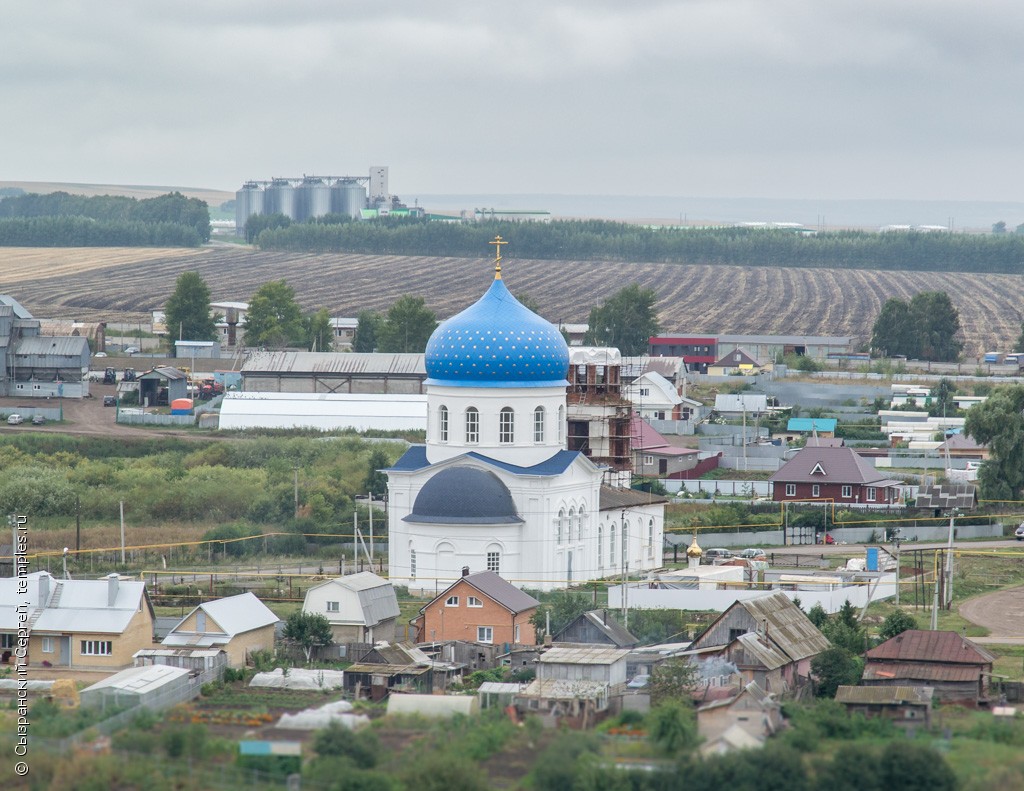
(78, 523)
(296, 469)
(122, 532)
(369, 500)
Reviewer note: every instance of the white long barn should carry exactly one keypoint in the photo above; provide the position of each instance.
(324, 411)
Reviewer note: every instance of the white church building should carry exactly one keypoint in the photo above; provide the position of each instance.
(494, 487)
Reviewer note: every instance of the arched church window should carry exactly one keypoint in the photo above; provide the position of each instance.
(573, 528)
(600, 546)
(625, 541)
(612, 554)
(506, 426)
(442, 424)
(581, 521)
(561, 424)
(412, 564)
(650, 538)
(559, 525)
(538, 424)
(494, 559)
(472, 425)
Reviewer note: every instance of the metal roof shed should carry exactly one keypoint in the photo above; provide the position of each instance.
(433, 706)
(154, 686)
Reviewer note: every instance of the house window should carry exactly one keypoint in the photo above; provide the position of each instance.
(473, 601)
(790, 490)
(47, 645)
(485, 634)
(97, 647)
(538, 424)
(452, 601)
(412, 563)
(506, 426)
(871, 494)
(333, 606)
(847, 491)
(516, 638)
(494, 561)
(644, 392)
(6, 641)
(442, 427)
(816, 491)
(472, 425)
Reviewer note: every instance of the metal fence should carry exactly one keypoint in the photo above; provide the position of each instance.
(133, 419)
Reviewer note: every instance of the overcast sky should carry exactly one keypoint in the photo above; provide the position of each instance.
(916, 99)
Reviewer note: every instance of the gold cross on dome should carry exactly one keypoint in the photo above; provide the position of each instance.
(498, 242)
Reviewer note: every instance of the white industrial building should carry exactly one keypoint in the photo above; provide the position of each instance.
(324, 411)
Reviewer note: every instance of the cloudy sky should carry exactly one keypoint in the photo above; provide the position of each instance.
(915, 99)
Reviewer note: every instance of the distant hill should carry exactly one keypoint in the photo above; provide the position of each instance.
(213, 198)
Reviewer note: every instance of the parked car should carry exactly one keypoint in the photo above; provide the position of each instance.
(100, 354)
(15, 419)
(753, 554)
(639, 682)
(717, 553)
(109, 400)
(1019, 532)
(38, 420)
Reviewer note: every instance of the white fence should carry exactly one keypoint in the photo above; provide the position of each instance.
(831, 597)
(139, 419)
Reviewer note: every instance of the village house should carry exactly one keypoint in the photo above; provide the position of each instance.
(575, 685)
(77, 623)
(744, 720)
(596, 627)
(480, 607)
(735, 363)
(654, 457)
(836, 474)
(237, 624)
(655, 398)
(907, 707)
(769, 640)
(957, 669)
(361, 608)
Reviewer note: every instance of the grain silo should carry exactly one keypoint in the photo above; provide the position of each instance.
(280, 199)
(313, 198)
(348, 197)
(248, 201)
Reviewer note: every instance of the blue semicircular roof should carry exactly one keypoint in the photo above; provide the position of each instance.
(497, 342)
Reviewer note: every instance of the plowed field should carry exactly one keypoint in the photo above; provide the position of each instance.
(123, 284)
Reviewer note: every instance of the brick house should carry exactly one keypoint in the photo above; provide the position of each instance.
(479, 607)
(836, 474)
(957, 669)
(77, 623)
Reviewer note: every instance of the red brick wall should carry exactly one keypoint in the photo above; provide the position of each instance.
(440, 622)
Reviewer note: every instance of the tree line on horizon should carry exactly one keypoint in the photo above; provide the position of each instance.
(59, 219)
(576, 240)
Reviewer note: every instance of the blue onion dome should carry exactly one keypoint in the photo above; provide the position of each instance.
(464, 495)
(497, 342)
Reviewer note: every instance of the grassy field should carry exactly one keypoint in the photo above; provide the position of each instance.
(702, 298)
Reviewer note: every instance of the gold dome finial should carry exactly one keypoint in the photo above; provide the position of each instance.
(694, 550)
(498, 242)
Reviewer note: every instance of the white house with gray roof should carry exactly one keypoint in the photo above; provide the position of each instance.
(361, 608)
(237, 624)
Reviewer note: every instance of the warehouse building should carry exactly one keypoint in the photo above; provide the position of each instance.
(37, 365)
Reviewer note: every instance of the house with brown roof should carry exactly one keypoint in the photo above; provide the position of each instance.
(768, 638)
(596, 627)
(956, 668)
(752, 711)
(479, 607)
(837, 474)
(736, 362)
(653, 456)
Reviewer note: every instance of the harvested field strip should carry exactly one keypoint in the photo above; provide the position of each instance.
(693, 299)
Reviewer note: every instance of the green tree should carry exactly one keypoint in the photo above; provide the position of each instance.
(274, 318)
(307, 630)
(999, 227)
(188, 310)
(626, 321)
(320, 331)
(936, 323)
(943, 404)
(1018, 345)
(896, 623)
(563, 607)
(911, 766)
(407, 327)
(891, 334)
(998, 423)
(835, 667)
(367, 332)
(673, 679)
(817, 615)
(360, 747)
(376, 482)
(673, 726)
(258, 223)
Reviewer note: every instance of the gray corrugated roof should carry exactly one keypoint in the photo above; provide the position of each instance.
(566, 655)
(884, 695)
(615, 631)
(237, 614)
(59, 345)
(794, 340)
(504, 593)
(379, 604)
(766, 654)
(336, 363)
(82, 604)
(788, 627)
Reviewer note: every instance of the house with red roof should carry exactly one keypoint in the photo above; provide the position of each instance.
(654, 457)
(840, 475)
(956, 668)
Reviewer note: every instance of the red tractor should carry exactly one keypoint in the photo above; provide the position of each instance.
(210, 388)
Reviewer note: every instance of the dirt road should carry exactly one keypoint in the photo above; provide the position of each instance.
(1002, 613)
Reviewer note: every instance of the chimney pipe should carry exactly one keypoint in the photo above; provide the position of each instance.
(112, 582)
(465, 571)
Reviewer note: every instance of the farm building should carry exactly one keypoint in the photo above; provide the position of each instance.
(37, 365)
(324, 411)
(333, 372)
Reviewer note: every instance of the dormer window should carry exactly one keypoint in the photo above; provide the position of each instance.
(817, 469)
